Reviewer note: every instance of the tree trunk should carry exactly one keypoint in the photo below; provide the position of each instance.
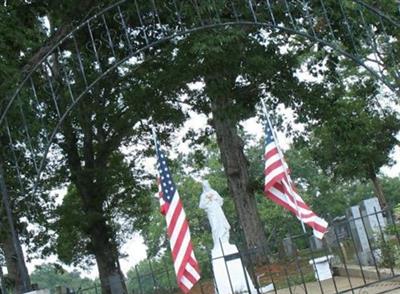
(10, 243)
(236, 169)
(378, 190)
(100, 233)
(106, 254)
(11, 258)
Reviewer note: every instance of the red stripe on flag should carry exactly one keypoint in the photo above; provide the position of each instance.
(270, 153)
(281, 188)
(270, 168)
(274, 180)
(186, 257)
(282, 183)
(175, 215)
(179, 239)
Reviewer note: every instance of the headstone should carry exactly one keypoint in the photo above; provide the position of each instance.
(288, 246)
(339, 231)
(316, 244)
(359, 235)
(373, 217)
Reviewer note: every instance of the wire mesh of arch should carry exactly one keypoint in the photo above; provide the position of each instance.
(131, 31)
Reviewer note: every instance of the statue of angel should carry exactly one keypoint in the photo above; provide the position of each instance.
(212, 203)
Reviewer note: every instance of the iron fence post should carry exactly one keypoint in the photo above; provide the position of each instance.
(298, 266)
(343, 258)
(326, 251)
(384, 241)
(265, 251)
(244, 272)
(139, 281)
(152, 274)
(168, 276)
(315, 267)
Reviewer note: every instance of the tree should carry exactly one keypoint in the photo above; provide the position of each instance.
(50, 276)
(16, 45)
(236, 70)
(107, 117)
(111, 116)
(354, 139)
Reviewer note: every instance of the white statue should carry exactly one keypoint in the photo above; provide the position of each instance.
(212, 202)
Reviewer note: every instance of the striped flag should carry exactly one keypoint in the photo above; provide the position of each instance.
(280, 188)
(185, 263)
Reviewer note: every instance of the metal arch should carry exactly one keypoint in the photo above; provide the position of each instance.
(253, 21)
(105, 73)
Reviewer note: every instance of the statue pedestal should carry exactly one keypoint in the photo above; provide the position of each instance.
(230, 274)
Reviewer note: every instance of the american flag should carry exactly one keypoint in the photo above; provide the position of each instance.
(185, 263)
(280, 188)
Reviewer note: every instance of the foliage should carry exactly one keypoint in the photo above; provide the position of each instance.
(128, 204)
(49, 276)
(354, 140)
(351, 136)
(326, 197)
(152, 275)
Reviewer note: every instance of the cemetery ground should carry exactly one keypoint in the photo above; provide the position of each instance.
(361, 249)
(296, 276)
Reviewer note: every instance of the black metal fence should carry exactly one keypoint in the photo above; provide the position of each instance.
(359, 254)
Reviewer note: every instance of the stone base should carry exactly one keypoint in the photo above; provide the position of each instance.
(230, 275)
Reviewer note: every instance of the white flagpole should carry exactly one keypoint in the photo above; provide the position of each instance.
(155, 139)
(283, 162)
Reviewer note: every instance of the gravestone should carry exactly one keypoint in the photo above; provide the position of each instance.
(359, 235)
(375, 223)
(316, 244)
(373, 216)
(288, 246)
(366, 224)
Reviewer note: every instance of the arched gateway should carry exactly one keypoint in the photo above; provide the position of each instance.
(129, 32)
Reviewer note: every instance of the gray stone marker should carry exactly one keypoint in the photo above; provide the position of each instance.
(373, 217)
(316, 244)
(359, 235)
(366, 221)
(289, 246)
